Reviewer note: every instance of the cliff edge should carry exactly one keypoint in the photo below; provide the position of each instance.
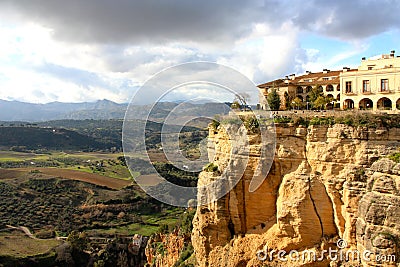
(329, 188)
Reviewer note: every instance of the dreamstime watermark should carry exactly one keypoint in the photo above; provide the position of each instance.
(213, 85)
(341, 254)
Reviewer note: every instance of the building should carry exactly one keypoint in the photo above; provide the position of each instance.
(374, 85)
(294, 86)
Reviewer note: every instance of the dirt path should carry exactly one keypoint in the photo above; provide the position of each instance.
(23, 229)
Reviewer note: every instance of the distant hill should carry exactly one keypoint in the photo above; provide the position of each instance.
(86, 135)
(104, 110)
(33, 138)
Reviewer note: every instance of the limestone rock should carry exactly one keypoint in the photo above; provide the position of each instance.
(326, 183)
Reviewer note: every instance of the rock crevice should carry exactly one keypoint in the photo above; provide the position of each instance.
(326, 183)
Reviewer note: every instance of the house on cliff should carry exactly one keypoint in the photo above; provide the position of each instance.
(374, 85)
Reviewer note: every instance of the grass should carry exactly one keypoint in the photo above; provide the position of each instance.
(21, 156)
(118, 172)
(150, 224)
(26, 156)
(395, 157)
(78, 161)
(18, 245)
(134, 228)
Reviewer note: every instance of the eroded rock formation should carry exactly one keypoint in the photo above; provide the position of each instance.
(326, 183)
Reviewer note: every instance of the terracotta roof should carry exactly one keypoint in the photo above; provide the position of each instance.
(277, 83)
(317, 79)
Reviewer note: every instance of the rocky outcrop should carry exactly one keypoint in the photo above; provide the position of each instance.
(326, 183)
(164, 249)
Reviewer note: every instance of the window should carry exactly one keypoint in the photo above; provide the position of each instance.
(329, 88)
(348, 87)
(384, 85)
(325, 79)
(370, 67)
(366, 87)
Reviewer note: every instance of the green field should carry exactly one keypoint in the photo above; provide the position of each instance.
(18, 245)
(21, 156)
(110, 165)
(150, 224)
(26, 156)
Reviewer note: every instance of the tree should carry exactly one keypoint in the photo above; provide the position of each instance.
(298, 103)
(288, 101)
(274, 100)
(320, 102)
(315, 93)
(235, 105)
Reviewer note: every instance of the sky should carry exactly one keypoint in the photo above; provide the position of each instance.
(88, 50)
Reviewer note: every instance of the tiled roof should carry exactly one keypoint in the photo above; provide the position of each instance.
(302, 80)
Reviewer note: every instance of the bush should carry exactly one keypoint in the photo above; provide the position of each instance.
(186, 226)
(215, 124)
(185, 254)
(395, 157)
(322, 121)
(211, 167)
(300, 121)
(282, 120)
(252, 124)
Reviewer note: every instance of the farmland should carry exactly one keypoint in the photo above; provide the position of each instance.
(66, 181)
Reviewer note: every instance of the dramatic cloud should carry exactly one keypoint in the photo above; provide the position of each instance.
(151, 21)
(86, 50)
(127, 21)
(348, 20)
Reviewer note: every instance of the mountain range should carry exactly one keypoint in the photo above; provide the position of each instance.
(103, 109)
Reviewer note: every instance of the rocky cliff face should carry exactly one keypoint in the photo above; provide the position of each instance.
(327, 183)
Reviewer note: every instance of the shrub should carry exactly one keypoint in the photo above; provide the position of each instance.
(211, 167)
(215, 124)
(282, 120)
(300, 121)
(185, 254)
(395, 157)
(252, 124)
(322, 121)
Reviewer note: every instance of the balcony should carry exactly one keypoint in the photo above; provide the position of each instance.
(386, 91)
(366, 92)
(350, 93)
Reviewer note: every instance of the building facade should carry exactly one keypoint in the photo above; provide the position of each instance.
(375, 86)
(292, 87)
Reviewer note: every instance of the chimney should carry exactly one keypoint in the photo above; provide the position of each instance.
(392, 53)
(363, 58)
(345, 69)
(292, 76)
(286, 79)
(308, 72)
(325, 70)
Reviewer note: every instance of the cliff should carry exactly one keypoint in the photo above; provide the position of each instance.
(329, 187)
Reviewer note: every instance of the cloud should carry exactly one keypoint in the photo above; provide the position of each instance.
(86, 50)
(223, 21)
(347, 20)
(126, 21)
